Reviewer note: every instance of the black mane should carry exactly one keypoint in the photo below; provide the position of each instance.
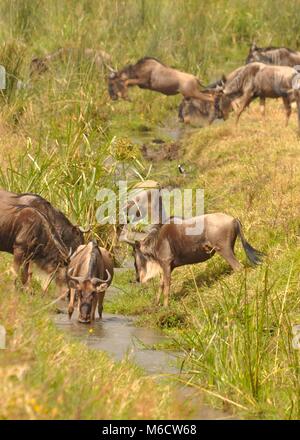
(130, 68)
(143, 60)
(93, 259)
(268, 48)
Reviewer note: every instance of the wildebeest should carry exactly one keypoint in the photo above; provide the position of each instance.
(72, 236)
(258, 80)
(281, 56)
(169, 246)
(27, 234)
(197, 111)
(149, 73)
(40, 65)
(88, 267)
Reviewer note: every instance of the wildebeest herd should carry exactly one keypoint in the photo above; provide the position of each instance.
(269, 73)
(36, 233)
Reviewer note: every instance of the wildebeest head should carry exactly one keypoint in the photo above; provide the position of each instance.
(257, 54)
(87, 290)
(116, 86)
(146, 267)
(222, 102)
(73, 236)
(38, 66)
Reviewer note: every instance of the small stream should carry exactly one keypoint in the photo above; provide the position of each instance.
(118, 336)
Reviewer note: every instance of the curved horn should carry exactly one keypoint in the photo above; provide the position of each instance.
(76, 279)
(126, 240)
(99, 281)
(85, 230)
(109, 68)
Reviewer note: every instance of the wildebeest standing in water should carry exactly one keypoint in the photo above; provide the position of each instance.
(71, 235)
(169, 246)
(149, 73)
(27, 234)
(258, 80)
(90, 274)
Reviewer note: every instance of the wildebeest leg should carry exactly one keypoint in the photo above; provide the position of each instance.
(262, 106)
(199, 95)
(133, 82)
(243, 103)
(100, 304)
(159, 291)
(21, 265)
(288, 109)
(166, 284)
(298, 109)
(228, 254)
(94, 306)
(71, 303)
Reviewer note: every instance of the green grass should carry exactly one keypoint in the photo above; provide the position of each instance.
(236, 329)
(45, 375)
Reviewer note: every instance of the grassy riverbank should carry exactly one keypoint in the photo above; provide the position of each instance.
(45, 375)
(236, 329)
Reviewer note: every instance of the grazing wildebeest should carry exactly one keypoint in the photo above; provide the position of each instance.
(88, 267)
(194, 110)
(40, 65)
(169, 246)
(72, 236)
(258, 80)
(27, 234)
(280, 56)
(149, 73)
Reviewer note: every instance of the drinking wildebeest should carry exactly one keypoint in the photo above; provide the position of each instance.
(72, 236)
(197, 111)
(194, 110)
(88, 267)
(280, 56)
(169, 246)
(27, 234)
(149, 73)
(258, 80)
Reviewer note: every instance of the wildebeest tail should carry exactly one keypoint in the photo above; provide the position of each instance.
(254, 256)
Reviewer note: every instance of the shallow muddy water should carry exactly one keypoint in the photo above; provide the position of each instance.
(119, 337)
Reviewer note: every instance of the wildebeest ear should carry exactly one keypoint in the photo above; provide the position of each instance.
(253, 46)
(101, 287)
(112, 75)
